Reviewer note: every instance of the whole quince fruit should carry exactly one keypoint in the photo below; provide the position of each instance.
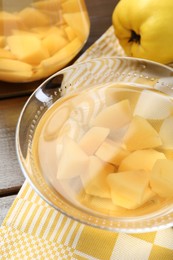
(144, 28)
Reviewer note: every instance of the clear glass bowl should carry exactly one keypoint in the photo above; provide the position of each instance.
(76, 79)
(40, 37)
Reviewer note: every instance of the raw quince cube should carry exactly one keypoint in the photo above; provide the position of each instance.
(152, 105)
(161, 179)
(128, 188)
(141, 135)
(141, 160)
(71, 6)
(27, 48)
(9, 22)
(111, 152)
(73, 161)
(32, 17)
(78, 22)
(93, 139)
(115, 116)
(54, 42)
(166, 133)
(94, 179)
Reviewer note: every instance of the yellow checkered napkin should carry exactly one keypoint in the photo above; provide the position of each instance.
(34, 230)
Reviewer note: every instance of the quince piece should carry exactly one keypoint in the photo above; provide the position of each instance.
(72, 6)
(56, 122)
(2, 42)
(9, 22)
(27, 48)
(152, 105)
(32, 17)
(73, 161)
(115, 116)
(47, 5)
(79, 23)
(141, 160)
(166, 133)
(62, 57)
(5, 54)
(70, 33)
(8, 65)
(161, 179)
(128, 188)
(16, 76)
(93, 139)
(94, 179)
(141, 135)
(54, 42)
(111, 152)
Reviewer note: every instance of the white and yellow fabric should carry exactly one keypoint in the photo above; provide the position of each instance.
(34, 230)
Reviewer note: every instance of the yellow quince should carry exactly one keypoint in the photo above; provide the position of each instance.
(144, 28)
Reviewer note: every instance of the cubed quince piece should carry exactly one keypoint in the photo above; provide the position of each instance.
(62, 57)
(56, 122)
(54, 42)
(128, 188)
(141, 135)
(32, 17)
(27, 48)
(70, 33)
(47, 5)
(141, 160)
(79, 23)
(115, 116)
(166, 133)
(9, 22)
(149, 104)
(94, 179)
(14, 65)
(111, 152)
(6, 54)
(161, 179)
(93, 139)
(2, 42)
(72, 6)
(73, 161)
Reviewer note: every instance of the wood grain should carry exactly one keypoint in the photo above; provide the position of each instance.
(11, 177)
(5, 203)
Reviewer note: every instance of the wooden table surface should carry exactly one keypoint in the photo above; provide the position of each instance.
(12, 98)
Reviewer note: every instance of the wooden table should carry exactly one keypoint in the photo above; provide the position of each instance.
(12, 98)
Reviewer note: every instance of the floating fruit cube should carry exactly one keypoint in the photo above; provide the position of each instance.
(54, 42)
(115, 116)
(73, 161)
(111, 152)
(161, 179)
(166, 133)
(141, 160)
(9, 22)
(94, 179)
(27, 48)
(93, 139)
(70, 33)
(128, 188)
(141, 135)
(32, 17)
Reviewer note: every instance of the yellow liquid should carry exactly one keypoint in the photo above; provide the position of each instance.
(70, 118)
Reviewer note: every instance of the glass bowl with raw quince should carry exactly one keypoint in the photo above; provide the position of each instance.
(40, 37)
(95, 141)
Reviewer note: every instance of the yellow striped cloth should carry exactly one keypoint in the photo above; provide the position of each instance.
(34, 230)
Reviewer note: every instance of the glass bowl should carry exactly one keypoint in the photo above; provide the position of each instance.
(74, 81)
